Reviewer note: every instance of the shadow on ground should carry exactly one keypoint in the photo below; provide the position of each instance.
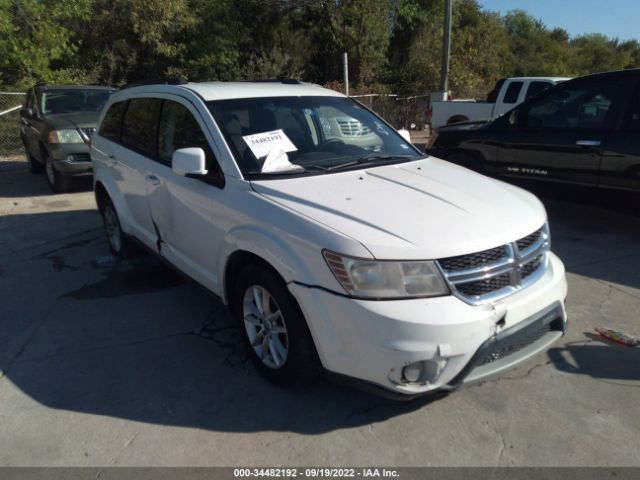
(133, 340)
(598, 358)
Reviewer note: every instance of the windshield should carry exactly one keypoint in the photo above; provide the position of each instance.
(306, 135)
(73, 100)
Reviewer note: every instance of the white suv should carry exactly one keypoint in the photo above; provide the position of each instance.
(335, 243)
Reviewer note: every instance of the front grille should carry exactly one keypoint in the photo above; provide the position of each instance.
(529, 240)
(485, 286)
(352, 127)
(79, 157)
(514, 343)
(532, 266)
(474, 260)
(88, 131)
(500, 271)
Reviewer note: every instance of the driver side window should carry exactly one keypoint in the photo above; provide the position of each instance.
(581, 105)
(179, 129)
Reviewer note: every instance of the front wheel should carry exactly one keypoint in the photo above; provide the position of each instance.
(57, 181)
(119, 242)
(274, 328)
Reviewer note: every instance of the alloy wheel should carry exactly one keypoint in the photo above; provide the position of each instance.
(265, 327)
(112, 228)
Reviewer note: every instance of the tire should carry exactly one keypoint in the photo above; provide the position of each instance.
(119, 243)
(280, 344)
(457, 119)
(35, 166)
(57, 181)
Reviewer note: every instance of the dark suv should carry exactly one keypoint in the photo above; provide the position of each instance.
(583, 131)
(57, 122)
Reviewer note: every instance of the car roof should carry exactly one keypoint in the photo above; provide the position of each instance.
(231, 90)
(553, 79)
(73, 87)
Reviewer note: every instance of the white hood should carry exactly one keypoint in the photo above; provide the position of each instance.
(426, 209)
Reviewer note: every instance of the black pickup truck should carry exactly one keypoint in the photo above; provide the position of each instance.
(57, 122)
(584, 131)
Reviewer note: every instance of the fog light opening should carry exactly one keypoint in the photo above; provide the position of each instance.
(412, 373)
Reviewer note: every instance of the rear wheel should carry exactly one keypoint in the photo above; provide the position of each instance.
(57, 181)
(274, 328)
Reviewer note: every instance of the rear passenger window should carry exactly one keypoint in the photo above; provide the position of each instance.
(536, 87)
(632, 115)
(140, 124)
(179, 129)
(513, 90)
(110, 127)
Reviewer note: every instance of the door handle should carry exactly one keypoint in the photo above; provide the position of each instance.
(588, 143)
(152, 179)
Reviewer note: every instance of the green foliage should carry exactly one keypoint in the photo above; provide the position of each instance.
(393, 45)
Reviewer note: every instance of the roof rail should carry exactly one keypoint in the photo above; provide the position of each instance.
(287, 81)
(157, 81)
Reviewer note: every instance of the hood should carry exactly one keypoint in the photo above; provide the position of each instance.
(464, 126)
(426, 209)
(74, 120)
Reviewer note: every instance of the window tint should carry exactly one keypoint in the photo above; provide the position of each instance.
(110, 126)
(584, 104)
(179, 129)
(632, 115)
(513, 90)
(537, 87)
(139, 125)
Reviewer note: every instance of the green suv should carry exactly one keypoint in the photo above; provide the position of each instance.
(57, 122)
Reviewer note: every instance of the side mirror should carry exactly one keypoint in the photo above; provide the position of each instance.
(513, 117)
(189, 162)
(404, 133)
(26, 112)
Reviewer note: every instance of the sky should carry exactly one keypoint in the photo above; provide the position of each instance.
(614, 18)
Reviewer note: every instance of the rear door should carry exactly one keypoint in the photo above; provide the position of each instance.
(131, 159)
(559, 134)
(621, 151)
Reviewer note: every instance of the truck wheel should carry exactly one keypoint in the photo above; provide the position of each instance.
(457, 119)
(57, 181)
(274, 328)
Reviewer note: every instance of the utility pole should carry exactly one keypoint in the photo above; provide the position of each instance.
(446, 47)
(345, 70)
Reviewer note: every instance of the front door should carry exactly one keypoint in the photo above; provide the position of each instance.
(621, 152)
(560, 134)
(187, 212)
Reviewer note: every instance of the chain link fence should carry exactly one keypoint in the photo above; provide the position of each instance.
(402, 112)
(11, 148)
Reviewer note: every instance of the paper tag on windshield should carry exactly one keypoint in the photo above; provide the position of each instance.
(263, 143)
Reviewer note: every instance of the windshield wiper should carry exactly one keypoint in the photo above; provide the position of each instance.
(374, 158)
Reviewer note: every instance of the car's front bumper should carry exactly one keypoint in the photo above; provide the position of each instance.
(373, 341)
(71, 159)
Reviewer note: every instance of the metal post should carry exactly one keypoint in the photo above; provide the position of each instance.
(446, 47)
(345, 67)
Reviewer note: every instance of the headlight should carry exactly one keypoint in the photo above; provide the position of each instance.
(386, 279)
(67, 135)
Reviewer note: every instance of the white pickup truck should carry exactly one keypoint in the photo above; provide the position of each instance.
(507, 93)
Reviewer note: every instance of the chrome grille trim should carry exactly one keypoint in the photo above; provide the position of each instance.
(523, 268)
